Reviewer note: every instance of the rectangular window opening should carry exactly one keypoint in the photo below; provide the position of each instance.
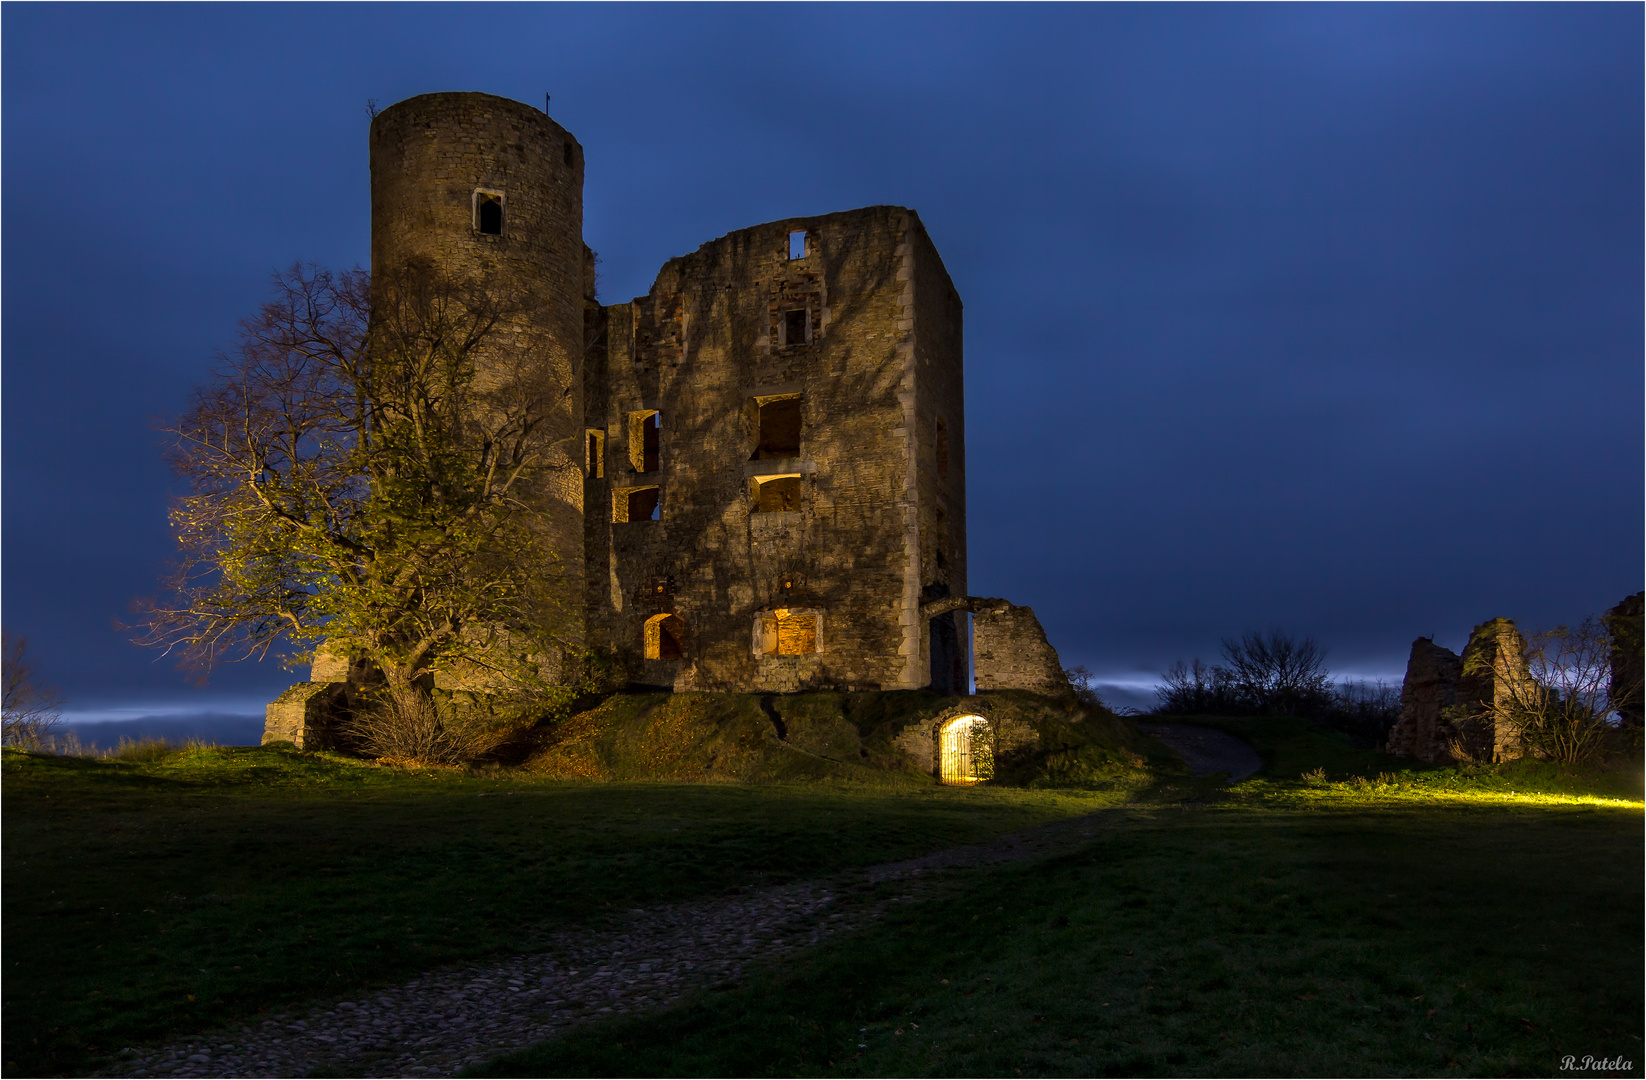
(778, 434)
(942, 450)
(778, 494)
(797, 244)
(596, 460)
(488, 212)
(797, 326)
(637, 504)
(796, 633)
(645, 440)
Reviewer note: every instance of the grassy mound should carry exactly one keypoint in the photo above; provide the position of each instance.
(784, 738)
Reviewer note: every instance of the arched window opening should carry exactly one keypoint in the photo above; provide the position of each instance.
(488, 213)
(776, 495)
(665, 638)
(966, 751)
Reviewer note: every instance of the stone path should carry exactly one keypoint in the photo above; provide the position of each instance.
(446, 1019)
(1206, 750)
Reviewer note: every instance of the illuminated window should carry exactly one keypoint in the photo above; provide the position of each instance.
(776, 494)
(637, 504)
(777, 429)
(797, 244)
(965, 751)
(596, 460)
(797, 325)
(665, 638)
(788, 632)
(488, 212)
(645, 437)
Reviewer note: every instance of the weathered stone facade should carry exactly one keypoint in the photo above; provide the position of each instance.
(1446, 699)
(800, 460)
(758, 480)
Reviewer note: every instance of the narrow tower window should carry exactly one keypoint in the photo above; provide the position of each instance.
(488, 213)
(597, 453)
(645, 440)
(942, 450)
(797, 244)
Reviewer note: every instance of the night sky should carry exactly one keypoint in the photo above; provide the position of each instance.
(1319, 318)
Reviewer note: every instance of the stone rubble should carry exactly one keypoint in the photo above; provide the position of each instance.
(445, 1020)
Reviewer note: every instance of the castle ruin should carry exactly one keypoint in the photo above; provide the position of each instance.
(762, 478)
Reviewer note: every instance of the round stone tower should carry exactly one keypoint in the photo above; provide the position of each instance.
(483, 187)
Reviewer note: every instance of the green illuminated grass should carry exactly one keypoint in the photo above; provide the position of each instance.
(147, 899)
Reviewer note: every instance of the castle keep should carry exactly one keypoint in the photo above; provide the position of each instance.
(761, 476)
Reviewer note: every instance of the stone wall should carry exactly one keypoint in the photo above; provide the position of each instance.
(1447, 699)
(1624, 623)
(1430, 688)
(1012, 653)
(432, 156)
(305, 715)
(863, 330)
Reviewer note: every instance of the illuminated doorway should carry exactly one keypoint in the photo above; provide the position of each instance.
(966, 753)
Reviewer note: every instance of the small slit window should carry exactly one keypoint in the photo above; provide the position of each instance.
(488, 213)
(777, 494)
(637, 504)
(645, 440)
(942, 450)
(665, 638)
(570, 156)
(596, 454)
(797, 244)
(777, 432)
(797, 326)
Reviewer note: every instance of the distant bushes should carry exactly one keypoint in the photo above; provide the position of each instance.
(1273, 674)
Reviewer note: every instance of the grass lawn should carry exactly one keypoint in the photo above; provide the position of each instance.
(1282, 926)
(144, 900)
(1436, 923)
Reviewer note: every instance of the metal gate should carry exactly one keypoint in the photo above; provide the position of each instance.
(958, 762)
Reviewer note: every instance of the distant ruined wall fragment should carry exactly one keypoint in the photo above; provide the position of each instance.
(1430, 688)
(305, 715)
(1494, 673)
(1624, 622)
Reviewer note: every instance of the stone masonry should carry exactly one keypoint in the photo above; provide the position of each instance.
(757, 471)
(1445, 700)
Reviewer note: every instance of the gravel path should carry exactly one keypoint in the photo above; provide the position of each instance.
(1206, 750)
(446, 1019)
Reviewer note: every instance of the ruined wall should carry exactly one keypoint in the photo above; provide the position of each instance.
(734, 327)
(1012, 653)
(434, 158)
(1430, 688)
(1446, 698)
(1625, 623)
(1494, 670)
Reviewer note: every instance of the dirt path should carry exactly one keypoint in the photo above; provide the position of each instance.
(446, 1019)
(1206, 750)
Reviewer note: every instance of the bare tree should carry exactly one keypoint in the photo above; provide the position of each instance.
(367, 469)
(29, 710)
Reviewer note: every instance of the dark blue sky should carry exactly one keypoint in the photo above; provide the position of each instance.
(1325, 318)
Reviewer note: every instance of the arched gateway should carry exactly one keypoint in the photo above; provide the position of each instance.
(965, 753)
